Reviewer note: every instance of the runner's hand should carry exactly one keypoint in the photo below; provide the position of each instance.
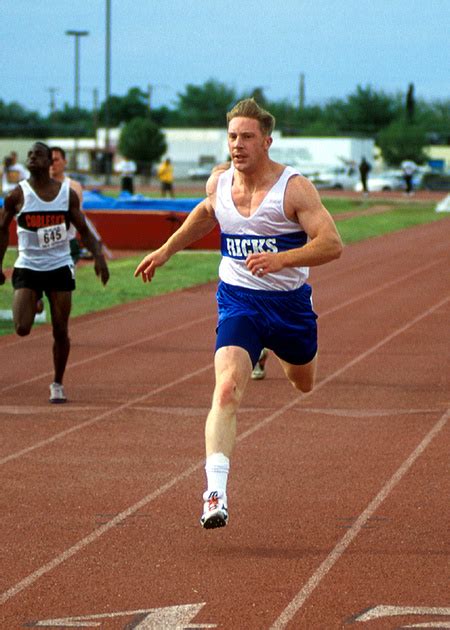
(263, 263)
(101, 269)
(148, 265)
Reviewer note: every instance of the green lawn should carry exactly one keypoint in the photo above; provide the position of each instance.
(191, 268)
(400, 217)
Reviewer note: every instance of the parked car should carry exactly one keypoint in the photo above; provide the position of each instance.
(85, 180)
(436, 181)
(389, 180)
(338, 178)
(203, 171)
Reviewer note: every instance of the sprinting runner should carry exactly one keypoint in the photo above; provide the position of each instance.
(273, 228)
(44, 209)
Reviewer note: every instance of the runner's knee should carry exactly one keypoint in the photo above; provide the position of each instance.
(226, 393)
(60, 333)
(22, 329)
(303, 382)
(304, 386)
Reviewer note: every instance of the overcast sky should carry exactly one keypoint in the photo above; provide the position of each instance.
(337, 44)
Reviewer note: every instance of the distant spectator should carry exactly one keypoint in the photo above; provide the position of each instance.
(127, 169)
(165, 176)
(57, 171)
(409, 168)
(13, 173)
(364, 169)
(7, 162)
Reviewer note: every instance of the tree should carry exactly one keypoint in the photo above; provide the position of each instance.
(15, 120)
(402, 141)
(71, 121)
(434, 117)
(122, 109)
(365, 111)
(410, 103)
(205, 105)
(141, 140)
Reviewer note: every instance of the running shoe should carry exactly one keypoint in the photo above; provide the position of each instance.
(57, 394)
(259, 371)
(215, 512)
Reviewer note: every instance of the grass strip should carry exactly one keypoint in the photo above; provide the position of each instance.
(191, 268)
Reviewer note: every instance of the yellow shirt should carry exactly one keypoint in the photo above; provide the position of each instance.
(165, 173)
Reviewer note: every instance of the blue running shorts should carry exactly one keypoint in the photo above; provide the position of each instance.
(282, 321)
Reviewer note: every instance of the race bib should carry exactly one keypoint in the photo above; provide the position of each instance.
(52, 235)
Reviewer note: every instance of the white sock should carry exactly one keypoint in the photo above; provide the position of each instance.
(217, 467)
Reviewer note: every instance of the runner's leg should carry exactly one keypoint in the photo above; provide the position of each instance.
(232, 370)
(60, 306)
(24, 310)
(302, 377)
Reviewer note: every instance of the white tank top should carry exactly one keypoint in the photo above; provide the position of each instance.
(266, 230)
(42, 230)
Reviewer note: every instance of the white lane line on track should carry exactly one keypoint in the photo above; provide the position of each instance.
(154, 336)
(105, 414)
(101, 355)
(106, 353)
(28, 581)
(297, 602)
(339, 549)
(75, 323)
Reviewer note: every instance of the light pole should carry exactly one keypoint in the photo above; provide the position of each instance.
(107, 89)
(77, 35)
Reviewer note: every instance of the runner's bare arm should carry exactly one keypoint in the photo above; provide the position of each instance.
(76, 186)
(7, 213)
(200, 221)
(303, 204)
(93, 245)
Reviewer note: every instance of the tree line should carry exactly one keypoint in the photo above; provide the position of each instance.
(401, 124)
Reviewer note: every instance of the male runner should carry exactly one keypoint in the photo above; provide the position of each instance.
(44, 209)
(273, 228)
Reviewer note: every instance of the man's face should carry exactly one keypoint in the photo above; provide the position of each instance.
(247, 144)
(58, 164)
(38, 158)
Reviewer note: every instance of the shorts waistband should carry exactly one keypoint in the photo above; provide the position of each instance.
(262, 292)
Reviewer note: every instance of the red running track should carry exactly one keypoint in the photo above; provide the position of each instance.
(339, 499)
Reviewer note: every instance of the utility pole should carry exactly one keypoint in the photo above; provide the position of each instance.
(52, 91)
(301, 100)
(149, 94)
(95, 111)
(107, 89)
(77, 35)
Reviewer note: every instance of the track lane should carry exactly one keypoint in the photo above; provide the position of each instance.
(162, 555)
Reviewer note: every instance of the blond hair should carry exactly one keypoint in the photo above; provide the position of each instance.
(249, 108)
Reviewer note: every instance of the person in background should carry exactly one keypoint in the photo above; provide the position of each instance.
(364, 170)
(165, 176)
(57, 171)
(44, 210)
(273, 228)
(409, 168)
(13, 172)
(127, 169)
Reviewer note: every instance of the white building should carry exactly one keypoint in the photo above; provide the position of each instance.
(321, 153)
(188, 148)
